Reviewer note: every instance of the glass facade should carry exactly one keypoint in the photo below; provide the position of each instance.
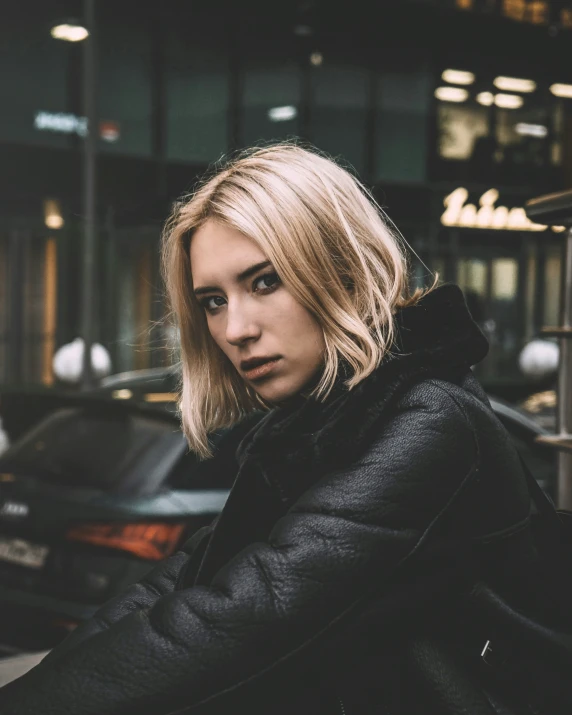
(513, 137)
(197, 92)
(33, 80)
(339, 111)
(180, 87)
(125, 65)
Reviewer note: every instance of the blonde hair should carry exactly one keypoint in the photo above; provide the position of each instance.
(333, 250)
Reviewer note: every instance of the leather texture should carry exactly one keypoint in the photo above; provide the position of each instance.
(362, 538)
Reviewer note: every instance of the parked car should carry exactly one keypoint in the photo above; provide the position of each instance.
(24, 406)
(90, 499)
(154, 386)
(101, 489)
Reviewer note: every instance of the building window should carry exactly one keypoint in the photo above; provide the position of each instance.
(486, 132)
(461, 129)
(197, 89)
(514, 9)
(523, 136)
(338, 115)
(33, 77)
(403, 103)
(536, 12)
(566, 18)
(552, 283)
(270, 100)
(124, 88)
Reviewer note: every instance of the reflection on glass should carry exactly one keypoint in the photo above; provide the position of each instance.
(522, 135)
(460, 128)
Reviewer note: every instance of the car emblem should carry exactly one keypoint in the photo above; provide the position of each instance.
(14, 509)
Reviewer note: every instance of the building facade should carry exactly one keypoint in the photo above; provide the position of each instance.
(455, 112)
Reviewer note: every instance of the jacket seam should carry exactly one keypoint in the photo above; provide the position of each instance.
(505, 533)
(463, 411)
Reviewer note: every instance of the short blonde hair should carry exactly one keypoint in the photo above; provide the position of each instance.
(332, 248)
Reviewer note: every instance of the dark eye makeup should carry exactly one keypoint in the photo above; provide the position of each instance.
(263, 284)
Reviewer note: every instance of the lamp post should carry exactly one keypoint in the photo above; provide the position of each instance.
(74, 31)
(89, 196)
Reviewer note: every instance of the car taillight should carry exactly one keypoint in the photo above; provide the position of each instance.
(147, 540)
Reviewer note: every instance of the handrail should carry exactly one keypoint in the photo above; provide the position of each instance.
(551, 209)
(557, 209)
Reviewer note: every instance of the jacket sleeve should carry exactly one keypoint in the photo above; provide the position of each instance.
(160, 581)
(348, 531)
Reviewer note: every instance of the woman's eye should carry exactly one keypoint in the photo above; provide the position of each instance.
(211, 303)
(266, 282)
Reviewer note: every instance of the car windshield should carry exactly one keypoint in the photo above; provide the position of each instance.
(118, 451)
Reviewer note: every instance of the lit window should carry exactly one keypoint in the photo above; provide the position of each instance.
(458, 77)
(538, 12)
(566, 18)
(451, 94)
(515, 9)
(464, 4)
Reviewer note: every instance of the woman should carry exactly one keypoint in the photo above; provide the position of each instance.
(378, 510)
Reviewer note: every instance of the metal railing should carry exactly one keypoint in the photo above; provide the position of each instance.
(556, 209)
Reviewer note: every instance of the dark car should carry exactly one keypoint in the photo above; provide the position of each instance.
(24, 406)
(102, 489)
(154, 386)
(90, 499)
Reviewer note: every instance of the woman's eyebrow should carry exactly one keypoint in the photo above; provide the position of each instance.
(243, 275)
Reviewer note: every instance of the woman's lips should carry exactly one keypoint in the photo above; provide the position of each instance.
(256, 373)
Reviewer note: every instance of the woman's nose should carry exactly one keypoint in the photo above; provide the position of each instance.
(241, 325)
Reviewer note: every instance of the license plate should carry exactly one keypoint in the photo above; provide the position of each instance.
(18, 551)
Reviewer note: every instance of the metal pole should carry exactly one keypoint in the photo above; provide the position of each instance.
(564, 489)
(89, 198)
(16, 282)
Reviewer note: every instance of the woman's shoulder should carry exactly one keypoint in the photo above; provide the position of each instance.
(456, 396)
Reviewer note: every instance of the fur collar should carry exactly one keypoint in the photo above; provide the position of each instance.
(436, 336)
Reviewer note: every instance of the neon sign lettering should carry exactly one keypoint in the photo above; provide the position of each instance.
(488, 215)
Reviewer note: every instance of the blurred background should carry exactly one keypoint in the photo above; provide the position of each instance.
(454, 112)
(424, 99)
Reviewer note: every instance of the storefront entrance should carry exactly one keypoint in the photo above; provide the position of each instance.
(512, 283)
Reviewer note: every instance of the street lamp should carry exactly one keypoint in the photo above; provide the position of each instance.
(69, 31)
(74, 31)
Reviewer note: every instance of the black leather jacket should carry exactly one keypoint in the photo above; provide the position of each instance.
(357, 532)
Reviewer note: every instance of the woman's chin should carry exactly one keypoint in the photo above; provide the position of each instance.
(276, 390)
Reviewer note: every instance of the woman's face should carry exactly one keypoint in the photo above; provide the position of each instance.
(274, 343)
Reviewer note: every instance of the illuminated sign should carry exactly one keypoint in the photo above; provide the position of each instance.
(63, 123)
(488, 215)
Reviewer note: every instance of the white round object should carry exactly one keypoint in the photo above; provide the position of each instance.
(68, 361)
(539, 358)
(4, 441)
